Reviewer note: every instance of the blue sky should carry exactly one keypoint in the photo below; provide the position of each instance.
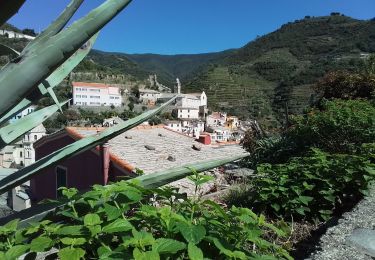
(191, 26)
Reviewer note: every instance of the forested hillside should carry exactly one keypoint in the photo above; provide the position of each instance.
(261, 79)
(278, 69)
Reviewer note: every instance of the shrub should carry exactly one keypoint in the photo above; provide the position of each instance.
(346, 85)
(125, 221)
(339, 126)
(309, 187)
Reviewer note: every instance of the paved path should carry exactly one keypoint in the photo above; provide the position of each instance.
(333, 245)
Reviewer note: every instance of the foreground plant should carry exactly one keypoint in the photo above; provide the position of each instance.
(127, 221)
(310, 187)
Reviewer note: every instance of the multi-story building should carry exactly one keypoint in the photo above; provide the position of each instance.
(149, 96)
(96, 94)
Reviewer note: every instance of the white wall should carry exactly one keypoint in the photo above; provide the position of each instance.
(94, 96)
(186, 113)
(12, 34)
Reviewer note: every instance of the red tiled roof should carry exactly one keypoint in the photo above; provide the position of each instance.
(72, 131)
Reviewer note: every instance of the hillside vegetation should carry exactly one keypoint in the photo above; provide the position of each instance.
(261, 80)
(279, 68)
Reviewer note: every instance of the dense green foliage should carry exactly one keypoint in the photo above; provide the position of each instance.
(125, 221)
(310, 187)
(337, 126)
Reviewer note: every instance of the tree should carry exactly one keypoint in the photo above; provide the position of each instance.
(28, 31)
(131, 106)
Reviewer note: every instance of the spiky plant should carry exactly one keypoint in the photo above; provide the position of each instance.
(40, 67)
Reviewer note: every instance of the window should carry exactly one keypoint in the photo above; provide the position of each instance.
(61, 179)
(21, 154)
(78, 89)
(78, 96)
(95, 97)
(35, 137)
(84, 96)
(94, 90)
(28, 154)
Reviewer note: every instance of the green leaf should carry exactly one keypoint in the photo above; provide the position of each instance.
(195, 253)
(73, 241)
(92, 220)
(71, 253)
(111, 211)
(305, 199)
(40, 244)
(192, 233)
(275, 206)
(149, 255)
(119, 225)
(70, 230)
(16, 251)
(12, 225)
(167, 246)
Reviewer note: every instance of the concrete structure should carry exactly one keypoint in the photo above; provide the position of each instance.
(12, 34)
(29, 139)
(191, 128)
(112, 121)
(96, 94)
(149, 148)
(216, 119)
(149, 96)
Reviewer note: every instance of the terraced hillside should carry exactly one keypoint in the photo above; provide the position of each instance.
(277, 70)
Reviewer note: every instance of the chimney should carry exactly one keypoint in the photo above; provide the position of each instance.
(104, 152)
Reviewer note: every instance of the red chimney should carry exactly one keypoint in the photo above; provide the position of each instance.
(104, 149)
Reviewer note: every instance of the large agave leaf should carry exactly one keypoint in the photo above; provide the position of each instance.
(13, 131)
(159, 179)
(21, 76)
(57, 25)
(77, 147)
(53, 80)
(154, 180)
(8, 8)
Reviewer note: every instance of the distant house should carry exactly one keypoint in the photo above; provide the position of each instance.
(149, 96)
(191, 128)
(96, 94)
(12, 34)
(149, 148)
(216, 119)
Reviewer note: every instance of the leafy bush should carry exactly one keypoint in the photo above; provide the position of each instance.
(309, 187)
(339, 126)
(125, 221)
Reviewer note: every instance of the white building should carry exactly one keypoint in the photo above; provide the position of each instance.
(96, 94)
(22, 153)
(12, 34)
(149, 96)
(191, 128)
(216, 119)
(29, 139)
(24, 113)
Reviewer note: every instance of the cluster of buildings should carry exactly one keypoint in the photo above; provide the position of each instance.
(194, 136)
(18, 155)
(192, 118)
